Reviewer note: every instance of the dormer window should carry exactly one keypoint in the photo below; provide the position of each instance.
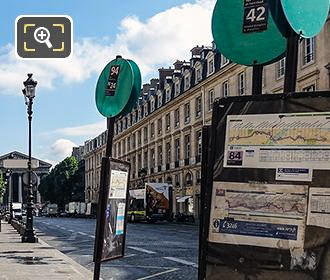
(198, 74)
(187, 82)
(139, 113)
(145, 109)
(177, 88)
(152, 105)
(224, 61)
(168, 95)
(160, 100)
(211, 66)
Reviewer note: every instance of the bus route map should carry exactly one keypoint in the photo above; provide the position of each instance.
(278, 140)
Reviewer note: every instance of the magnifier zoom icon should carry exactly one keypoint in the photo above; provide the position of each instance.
(42, 35)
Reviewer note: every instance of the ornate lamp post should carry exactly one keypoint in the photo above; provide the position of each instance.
(29, 93)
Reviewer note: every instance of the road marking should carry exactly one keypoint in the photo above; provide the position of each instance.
(57, 226)
(130, 255)
(63, 228)
(157, 274)
(181, 261)
(71, 230)
(82, 233)
(141, 250)
(72, 237)
(92, 236)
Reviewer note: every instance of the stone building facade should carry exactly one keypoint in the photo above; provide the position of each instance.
(162, 135)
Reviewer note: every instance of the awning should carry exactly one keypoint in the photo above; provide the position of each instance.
(183, 198)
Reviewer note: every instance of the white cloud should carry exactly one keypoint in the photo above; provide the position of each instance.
(89, 130)
(153, 43)
(61, 149)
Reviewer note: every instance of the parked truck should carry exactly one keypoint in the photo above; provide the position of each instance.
(17, 210)
(151, 203)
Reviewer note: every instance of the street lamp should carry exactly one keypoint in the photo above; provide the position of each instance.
(29, 93)
(8, 173)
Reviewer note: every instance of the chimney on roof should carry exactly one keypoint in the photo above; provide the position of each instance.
(162, 76)
(178, 64)
(196, 50)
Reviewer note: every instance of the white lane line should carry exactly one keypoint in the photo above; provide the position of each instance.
(141, 250)
(63, 228)
(71, 230)
(57, 226)
(157, 274)
(92, 236)
(82, 233)
(130, 255)
(181, 261)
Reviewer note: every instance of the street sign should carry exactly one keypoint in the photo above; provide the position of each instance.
(246, 33)
(34, 178)
(306, 18)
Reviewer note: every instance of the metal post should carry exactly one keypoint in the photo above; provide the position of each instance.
(291, 63)
(29, 234)
(257, 79)
(102, 202)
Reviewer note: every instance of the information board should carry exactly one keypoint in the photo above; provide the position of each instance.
(265, 215)
(255, 16)
(278, 140)
(319, 207)
(116, 209)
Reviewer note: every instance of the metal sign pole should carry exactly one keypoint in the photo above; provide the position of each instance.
(257, 79)
(291, 63)
(102, 201)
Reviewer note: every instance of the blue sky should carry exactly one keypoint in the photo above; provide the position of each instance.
(154, 33)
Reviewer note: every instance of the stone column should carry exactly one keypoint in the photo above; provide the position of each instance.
(20, 188)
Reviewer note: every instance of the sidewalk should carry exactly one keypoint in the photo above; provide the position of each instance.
(35, 261)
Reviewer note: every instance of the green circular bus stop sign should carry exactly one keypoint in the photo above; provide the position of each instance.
(115, 86)
(306, 17)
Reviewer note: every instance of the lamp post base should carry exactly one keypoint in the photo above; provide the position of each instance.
(29, 236)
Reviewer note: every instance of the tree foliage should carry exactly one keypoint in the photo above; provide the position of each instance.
(63, 183)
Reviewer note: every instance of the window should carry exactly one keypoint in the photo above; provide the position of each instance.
(124, 147)
(139, 163)
(134, 117)
(210, 99)
(198, 104)
(198, 74)
(119, 149)
(160, 100)
(211, 66)
(177, 88)
(224, 61)
(168, 152)
(280, 68)
(177, 179)
(199, 143)
(152, 130)
(139, 113)
(225, 89)
(128, 143)
(187, 82)
(129, 120)
(145, 134)
(159, 126)
(177, 149)
(168, 121)
(187, 112)
(309, 88)
(160, 155)
(187, 146)
(152, 158)
(177, 117)
(145, 159)
(139, 138)
(241, 83)
(309, 50)
(168, 95)
(133, 141)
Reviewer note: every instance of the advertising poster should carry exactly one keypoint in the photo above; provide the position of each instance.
(319, 207)
(157, 198)
(278, 141)
(115, 216)
(265, 215)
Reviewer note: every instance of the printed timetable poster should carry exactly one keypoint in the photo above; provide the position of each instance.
(265, 215)
(298, 140)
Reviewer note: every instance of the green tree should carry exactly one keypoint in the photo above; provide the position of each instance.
(63, 183)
